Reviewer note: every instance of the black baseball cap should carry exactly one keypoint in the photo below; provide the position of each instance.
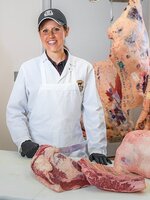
(53, 14)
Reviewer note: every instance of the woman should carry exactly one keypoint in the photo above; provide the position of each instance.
(50, 94)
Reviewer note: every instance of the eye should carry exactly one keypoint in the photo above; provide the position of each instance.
(55, 29)
(45, 31)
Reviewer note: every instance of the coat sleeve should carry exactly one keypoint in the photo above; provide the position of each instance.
(93, 116)
(16, 111)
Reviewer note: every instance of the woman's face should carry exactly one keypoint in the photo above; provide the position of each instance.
(52, 36)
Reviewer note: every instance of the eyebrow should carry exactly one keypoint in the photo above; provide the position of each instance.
(59, 26)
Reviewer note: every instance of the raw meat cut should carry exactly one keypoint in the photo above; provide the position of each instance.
(133, 154)
(109, 89)
(130, 54)
(56, 171)
(107, 178)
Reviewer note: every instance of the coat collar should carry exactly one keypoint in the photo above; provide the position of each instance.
(70, 64)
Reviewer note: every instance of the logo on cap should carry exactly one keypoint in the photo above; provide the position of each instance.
(48, 13)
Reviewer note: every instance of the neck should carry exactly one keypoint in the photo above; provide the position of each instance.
(57, 57)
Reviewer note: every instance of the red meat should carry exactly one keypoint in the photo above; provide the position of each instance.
(107, 178)
(56, 171)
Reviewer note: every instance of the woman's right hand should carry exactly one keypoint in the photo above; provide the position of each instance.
(29, 148)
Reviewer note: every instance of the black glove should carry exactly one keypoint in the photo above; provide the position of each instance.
(29, 148)
(100, 158)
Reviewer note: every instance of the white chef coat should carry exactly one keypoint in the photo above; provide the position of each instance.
(46, 107)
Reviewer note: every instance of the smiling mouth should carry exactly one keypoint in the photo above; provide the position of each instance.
(53, 42)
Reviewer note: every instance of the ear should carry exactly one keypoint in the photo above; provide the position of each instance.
(66, 31)
(39, 33)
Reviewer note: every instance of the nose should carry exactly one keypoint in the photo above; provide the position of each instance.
(50, 33)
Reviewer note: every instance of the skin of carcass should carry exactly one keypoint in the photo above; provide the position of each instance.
(143, 121)
(133, 154)
(110, 91)
(130, 54)
(123, 80)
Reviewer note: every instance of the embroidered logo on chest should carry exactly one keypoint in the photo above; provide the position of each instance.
(80, 85)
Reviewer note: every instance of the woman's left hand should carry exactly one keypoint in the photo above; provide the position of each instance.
(100, 158)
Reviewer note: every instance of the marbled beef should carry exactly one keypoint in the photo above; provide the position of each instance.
(56, 171)
(107, 178)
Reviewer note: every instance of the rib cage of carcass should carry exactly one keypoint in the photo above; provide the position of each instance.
(123, 79)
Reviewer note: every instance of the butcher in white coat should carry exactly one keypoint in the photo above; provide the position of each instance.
(51, 93)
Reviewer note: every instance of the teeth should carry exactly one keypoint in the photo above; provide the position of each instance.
(51, 42)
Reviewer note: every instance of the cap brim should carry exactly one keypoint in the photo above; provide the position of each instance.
(58, 22)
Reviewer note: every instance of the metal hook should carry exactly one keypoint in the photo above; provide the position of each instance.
(111, 12)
